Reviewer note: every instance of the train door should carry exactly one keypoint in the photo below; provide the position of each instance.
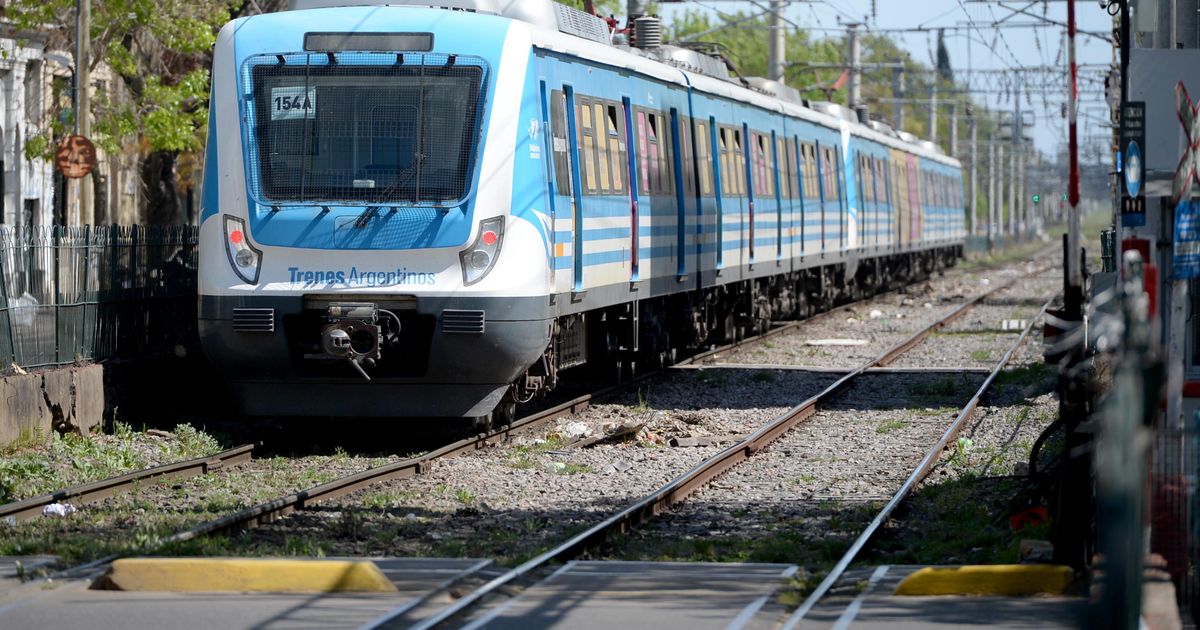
(576, 238)
(566, 195)
(678, 162)
(634, 194)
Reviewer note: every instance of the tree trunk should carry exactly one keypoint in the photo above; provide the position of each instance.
(162, 193)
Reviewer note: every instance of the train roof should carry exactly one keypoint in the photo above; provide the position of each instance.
(561, 29)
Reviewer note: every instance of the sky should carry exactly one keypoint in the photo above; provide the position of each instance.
(974, 42)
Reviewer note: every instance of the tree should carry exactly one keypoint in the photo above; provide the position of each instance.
(161, 51)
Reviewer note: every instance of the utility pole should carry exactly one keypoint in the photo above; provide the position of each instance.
(83, 81)
(991, 209)
(898, 88)
(855, 89)
(777, 61)
(1014, 182)
(933, 107)
(954, 129)
(1001, 224)
(974, 173)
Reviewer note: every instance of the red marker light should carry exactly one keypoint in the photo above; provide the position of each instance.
(236, 237)
(489, 238)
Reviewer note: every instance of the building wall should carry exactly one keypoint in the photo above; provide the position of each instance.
(27, 76)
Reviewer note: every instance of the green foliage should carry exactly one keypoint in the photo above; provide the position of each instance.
(161, 52)
(603, 7)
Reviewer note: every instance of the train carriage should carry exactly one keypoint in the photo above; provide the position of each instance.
(432, 211)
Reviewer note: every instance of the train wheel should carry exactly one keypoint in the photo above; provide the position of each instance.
(481, 424)
(504, 413)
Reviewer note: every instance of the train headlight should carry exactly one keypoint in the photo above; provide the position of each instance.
(478, 259)
(245, 259)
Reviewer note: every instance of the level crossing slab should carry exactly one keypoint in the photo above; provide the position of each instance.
(864, 600)
(662, 595)
(72, 604)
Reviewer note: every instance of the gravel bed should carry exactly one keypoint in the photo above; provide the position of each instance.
(881, 322)
(511, 502)
(806, 497)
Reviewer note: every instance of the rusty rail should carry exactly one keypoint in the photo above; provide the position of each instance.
(91, 492)
(678, 489)
(918, 474)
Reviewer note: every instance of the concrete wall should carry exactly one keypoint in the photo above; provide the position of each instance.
(64, 400)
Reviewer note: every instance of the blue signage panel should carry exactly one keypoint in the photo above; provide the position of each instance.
(1185, 259)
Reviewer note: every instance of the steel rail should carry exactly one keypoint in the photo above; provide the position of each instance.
(26, 509)
(679, 488)
(918, 474)
(271, 510)
(841, 308)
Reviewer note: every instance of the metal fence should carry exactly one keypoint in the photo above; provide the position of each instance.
(90, 293)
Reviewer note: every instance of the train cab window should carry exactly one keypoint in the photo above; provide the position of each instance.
(559, 144)
(587, 146)
(702, 159)
(364, 134)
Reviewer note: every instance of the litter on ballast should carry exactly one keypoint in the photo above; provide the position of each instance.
(58, 509)
(835, 342)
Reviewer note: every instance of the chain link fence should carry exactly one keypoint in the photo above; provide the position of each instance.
(84, 293)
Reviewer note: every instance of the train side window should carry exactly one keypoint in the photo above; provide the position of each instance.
(739, 161)
(813, 184)
(587, 145)
(729, 181)
(685, 156)
(559, 143)
(666, 183)
(785, 165)
(643, 152)
(758, 163)
(831, 172)
(702, 159)
(768, 164)
(602, 158)
(616, 146)
(655, 156)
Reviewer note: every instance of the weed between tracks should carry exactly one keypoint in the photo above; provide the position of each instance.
(73, 459)
(155, 510)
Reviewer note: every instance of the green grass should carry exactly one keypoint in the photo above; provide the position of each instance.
(72, 459)
(981, 355)
(888, 426)
(526, 456)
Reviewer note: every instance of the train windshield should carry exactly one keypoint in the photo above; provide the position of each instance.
(373, 134)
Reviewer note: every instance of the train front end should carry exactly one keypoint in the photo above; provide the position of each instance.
(370, 245)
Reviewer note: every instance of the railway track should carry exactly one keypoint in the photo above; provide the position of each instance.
(91, 492)
(270, 511)
(680, 488)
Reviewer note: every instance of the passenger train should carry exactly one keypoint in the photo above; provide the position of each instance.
(433, 210)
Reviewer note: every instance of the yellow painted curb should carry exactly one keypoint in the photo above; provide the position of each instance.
(245, 575)
(1000, 579)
